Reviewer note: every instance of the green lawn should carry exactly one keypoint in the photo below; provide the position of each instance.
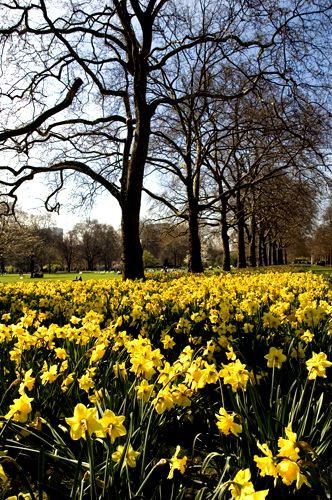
(102, 275)
(315, 269)
(12, 278)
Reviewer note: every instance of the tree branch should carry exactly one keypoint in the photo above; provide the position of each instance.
(32, 126)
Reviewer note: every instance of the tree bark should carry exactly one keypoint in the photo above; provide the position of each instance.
(32, 266)
(265, 257)
(253, 227)
(132, 180)
(132, 252)
(241, 247)
(195, 257)
(270, 253)
(260, 249)
(224, 236)
(274, 254)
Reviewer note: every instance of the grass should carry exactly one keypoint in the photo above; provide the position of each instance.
(13, 278)
(101, 275)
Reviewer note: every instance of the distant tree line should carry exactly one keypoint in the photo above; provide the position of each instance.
(275, 233)
(30, 244)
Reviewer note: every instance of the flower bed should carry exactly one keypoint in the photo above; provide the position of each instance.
(177, 387)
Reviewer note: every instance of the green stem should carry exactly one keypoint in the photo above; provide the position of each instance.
(304, 422)
(272, 384)
(145, 442)
(147, 477)
(93, 488)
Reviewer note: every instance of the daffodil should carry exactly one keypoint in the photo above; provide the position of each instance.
(242, 488)
(289, 471)
(28, 382)
(267, 464)
(130, 458)
(235, 374)
(163, 401)
(20, 409)
(177, 463)
(226, 423)
(120, 370)
(85, 420)
(275, 358)
(49, 375)
(168, 342)
(60, 353)
(67, 382)
(20, 496)
(111, 426)
(317, 365)
(287, 447)
(144, 390)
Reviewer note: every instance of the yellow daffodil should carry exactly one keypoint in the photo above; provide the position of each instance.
(20, 496)
(242, 488)
(85, 420)
(163, 401)
(168, 342)
(60, 353)
(28, 382)
(120, 370)
(317, 365)
(181, 395)
(235, 374)
(111, 426)
(266, 464)
(307, 336)
(130, 458)
(20, 409)
(67, 382)
(144, 390)
(289, 471)
(287, 447)
(275, 358)
(226, 423)
(177, 463)
(49, 375)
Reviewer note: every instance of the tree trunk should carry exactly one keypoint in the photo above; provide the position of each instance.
(253, 259)
(280, 256)
(224, 236)
(265, 258)
(131, 194)
(241, 246)
(261, 245)
(195, 257)
(274, 254)
(32, 266)
(68, 263)
(285, 257)
(132, 252)
(270, 252)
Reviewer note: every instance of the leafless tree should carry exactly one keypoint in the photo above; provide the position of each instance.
(104, 67)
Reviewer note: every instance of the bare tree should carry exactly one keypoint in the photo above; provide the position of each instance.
(68, 249)
(117, 55)
(321, 244)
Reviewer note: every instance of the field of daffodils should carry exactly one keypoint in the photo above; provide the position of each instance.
(179, 387)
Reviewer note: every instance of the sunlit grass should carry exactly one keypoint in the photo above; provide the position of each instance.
(101, 275)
